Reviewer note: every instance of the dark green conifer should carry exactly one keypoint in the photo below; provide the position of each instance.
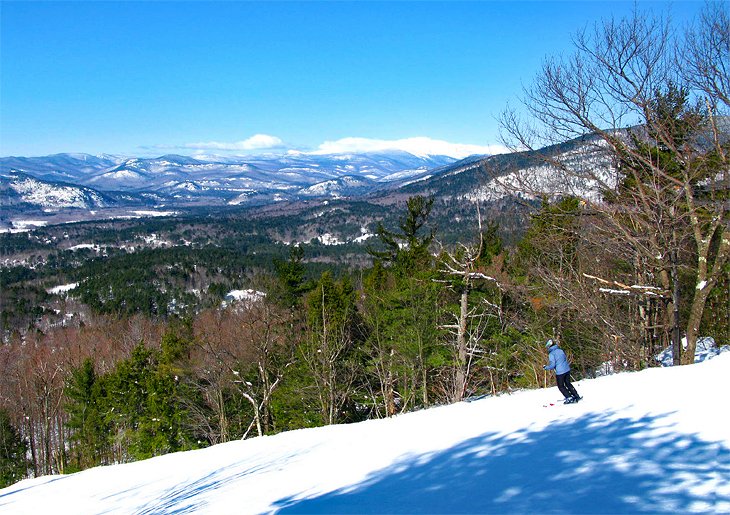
(13, 461)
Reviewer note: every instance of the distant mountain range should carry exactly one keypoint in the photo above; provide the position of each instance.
(80, 185)
(84, 181)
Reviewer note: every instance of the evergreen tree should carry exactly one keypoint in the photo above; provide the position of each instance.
(409, 248)
(291, 275)
(165, 414)
(400, 308)
(89, 428)
(146, 399)
(401, 317)
(13, 461)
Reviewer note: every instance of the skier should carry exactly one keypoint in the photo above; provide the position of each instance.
(559, 363)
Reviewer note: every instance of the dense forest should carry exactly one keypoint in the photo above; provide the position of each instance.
(358, 310)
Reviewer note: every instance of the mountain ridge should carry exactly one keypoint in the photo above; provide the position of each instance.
(383, 178)
(181, 179)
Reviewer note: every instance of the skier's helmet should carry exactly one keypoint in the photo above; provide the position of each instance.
(549, 344)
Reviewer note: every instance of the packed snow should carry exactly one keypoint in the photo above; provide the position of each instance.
(652, 441)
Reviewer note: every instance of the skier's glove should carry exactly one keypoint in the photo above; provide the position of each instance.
(544, 367)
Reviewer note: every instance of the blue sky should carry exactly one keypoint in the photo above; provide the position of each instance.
(149, 78)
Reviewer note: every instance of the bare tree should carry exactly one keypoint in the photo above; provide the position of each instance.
(246, 349)
(706, 56)
(329, 342)
(649, 154)
(462, 269)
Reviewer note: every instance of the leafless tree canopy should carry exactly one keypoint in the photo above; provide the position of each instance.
(645, 103)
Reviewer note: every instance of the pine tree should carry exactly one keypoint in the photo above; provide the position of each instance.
(408, 249)
(89, 429)
(291, 275)
(400, 310)
(13, 461)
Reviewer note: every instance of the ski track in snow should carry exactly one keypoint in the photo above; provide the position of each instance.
(652, 441)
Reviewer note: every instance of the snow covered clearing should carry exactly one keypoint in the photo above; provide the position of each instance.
(652, 441)
(156, 213)
(328, 239)
(144, 214)
(63, 288)
(27, 225)
(245, 296)
(364, 235)
(88, 246)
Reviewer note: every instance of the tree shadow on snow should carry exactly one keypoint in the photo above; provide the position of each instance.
(593, 464)
(188, 497)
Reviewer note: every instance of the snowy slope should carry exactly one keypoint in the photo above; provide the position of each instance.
(521, 174)
(651, 441)
(591, 168)
(21, 188)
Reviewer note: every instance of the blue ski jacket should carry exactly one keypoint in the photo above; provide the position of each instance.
(558, 361)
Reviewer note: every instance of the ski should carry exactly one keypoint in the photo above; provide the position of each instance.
(554, 403)
(560, 402)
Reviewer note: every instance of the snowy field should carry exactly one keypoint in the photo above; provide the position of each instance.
(655, 441)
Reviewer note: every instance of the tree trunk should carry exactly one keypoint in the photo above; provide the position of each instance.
(389, 391)
(222, 419)
(460, 380)
(676, 331)
(256, 414)
(706, 280)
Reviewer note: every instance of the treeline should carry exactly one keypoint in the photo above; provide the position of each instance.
(415, 329)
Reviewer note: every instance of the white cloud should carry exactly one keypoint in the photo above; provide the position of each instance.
(419, 146)
(255, 142)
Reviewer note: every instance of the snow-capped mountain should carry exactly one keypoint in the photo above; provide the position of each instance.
(175, 180)
(341, 186)
(20, 188)
(654, 441)
(217, 180)
(281, 172)
(521, 174)
(59, 167)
